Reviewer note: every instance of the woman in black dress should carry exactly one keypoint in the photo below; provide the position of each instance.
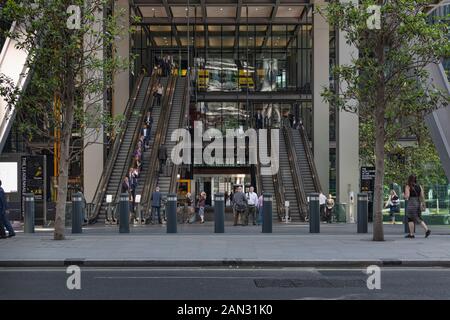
(416, 203)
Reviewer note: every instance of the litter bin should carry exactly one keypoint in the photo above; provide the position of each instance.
(341, 212)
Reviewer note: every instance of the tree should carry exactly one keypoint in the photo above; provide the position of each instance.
(62, 107)
(388, 79)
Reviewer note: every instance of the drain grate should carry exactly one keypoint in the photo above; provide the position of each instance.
(309, 283)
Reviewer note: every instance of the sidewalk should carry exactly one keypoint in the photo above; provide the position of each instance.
(196, 245)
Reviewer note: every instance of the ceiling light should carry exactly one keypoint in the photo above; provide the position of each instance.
(221, 9)
(256, 9)
(289, 9)
(153, 9)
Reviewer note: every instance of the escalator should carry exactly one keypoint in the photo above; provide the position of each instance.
(307, 168)
(289, 177)
(164, 179)
(125, 143)
(146, 156)
(13, 65)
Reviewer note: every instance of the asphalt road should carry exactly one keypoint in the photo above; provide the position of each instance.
(226, 283)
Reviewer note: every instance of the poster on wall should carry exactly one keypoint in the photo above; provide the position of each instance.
(33, 171)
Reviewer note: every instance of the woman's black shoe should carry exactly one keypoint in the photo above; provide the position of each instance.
(410, 236)
(427, 233)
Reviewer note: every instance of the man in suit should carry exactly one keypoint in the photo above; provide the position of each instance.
(4, 221)
(259, 120)
(156, 204)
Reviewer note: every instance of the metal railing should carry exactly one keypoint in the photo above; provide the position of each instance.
(310, 158)
(183, 117)
(101, 187)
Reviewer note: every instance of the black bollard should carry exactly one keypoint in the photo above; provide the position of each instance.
(314, 213)
(171, 213)
(28, 226)
(124, 213)
(219, 213)
(363, 212)
(77, 213)
(267, 213)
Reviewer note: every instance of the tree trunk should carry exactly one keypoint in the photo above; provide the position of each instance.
(378, 234)
(64, 160)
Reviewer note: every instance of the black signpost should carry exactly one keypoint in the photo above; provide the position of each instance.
(367, 183)
(33, 172)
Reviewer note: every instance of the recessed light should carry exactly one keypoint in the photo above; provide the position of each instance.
(289, 9)
(256, 9)
(221, 9)
(153, 9)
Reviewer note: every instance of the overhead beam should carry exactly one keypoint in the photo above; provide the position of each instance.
(224, 21)
(238, 22)
(170, 15)
(272, 18)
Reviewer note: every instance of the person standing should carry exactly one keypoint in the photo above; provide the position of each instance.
(260, 207)
(252, 200)
(125, 185)
(239, 205)
(4, 222)
(416, 204)
(146, 134)
(162, 156)
(259, 120)
(322, 203)
(201, 206)
(393, 204)
(149, 123)
(156, 205)
(329, 208)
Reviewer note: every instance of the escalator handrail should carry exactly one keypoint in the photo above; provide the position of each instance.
(296, 173)
(277, 184)
(157, 141)
(102, 184)
(310, 158)
(184, 109)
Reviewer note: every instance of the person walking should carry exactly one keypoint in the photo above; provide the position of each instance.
(201, 206)
(252, 200)
(190, 209)
(416, 204)
(239, 205)
(4, 222)
(393, 204)
(146, 135)
(156, 205)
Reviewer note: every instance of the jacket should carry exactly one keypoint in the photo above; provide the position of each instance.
(156, 199)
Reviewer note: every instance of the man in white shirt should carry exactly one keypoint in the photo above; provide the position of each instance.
(322, 202)
(252, 200)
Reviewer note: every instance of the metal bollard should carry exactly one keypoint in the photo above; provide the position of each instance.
(77, 213)
(219, 213)
(124, 213)
(314, 213)
(171, 213)
(28, 226)
(267, 213)
(363, 212)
